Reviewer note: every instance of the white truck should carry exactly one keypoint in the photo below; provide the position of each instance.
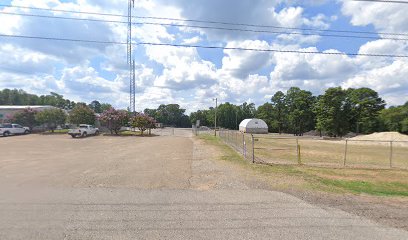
(83, 130)
(8, 129)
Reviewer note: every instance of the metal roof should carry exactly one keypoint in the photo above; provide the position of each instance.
(253, 123)
(14, 107)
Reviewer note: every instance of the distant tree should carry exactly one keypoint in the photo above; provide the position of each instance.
(366, 106)
(227, 115)
(395, 119)
(171, 114)
(333, 110)
(96, 106)
(280, 109)
(299, 104)
(143, 122)
(82, 114)
(26, 118)
(105, 106)
(201, 115)
(266, 113)
(20, 97)
(248, 110)
(114, 119)
(51, 117)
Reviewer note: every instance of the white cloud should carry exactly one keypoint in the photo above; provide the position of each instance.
(383, 16)
(84, 72)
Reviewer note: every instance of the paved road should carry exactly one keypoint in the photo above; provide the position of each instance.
(153, 188)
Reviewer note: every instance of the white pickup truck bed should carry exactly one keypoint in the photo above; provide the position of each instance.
(83, 131)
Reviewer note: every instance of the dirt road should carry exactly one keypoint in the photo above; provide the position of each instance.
(167, 187)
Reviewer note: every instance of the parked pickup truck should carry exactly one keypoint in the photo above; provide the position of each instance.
(8, 129)
(83, 130)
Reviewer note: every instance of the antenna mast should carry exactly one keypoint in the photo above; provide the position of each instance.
(130, 60)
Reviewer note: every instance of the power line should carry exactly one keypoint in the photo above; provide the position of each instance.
(206, 47)
(273, 50)
(62, 39)
(382, 1)
(204, 21)
(206, 27)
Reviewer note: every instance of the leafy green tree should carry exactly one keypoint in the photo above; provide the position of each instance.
(114, 119)
(280, 109)
(299, 105)
(82, 114)
(366, 107)
(227, 115)
(26, 118)
(20, 97)
(266, 113)
(201, 115)
(171, 115)
(248, 110)
(96, 106)
(143, 122)
(395, 119)
(333, 110)
(51, 117)
(105, 106)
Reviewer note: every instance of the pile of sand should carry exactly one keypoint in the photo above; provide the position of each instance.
(382, 136)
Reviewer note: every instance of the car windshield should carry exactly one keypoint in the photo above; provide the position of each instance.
(83, 126)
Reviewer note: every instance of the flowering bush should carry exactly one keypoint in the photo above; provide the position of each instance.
(26, 118)
(143, 122)
(114, 119)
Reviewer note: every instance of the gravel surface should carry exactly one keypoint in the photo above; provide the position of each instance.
(165, 187)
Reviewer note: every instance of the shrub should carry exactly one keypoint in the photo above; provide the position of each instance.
(143, 122)
(114, 119)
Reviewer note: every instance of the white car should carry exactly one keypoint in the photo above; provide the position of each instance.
(8, 129)
(83, 130)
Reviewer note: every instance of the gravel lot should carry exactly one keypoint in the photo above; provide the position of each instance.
(165, 187)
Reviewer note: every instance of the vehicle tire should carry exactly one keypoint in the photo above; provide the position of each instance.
(73, 136)
(6, 134)
(26, 132)
(96, 133)
(84, 134)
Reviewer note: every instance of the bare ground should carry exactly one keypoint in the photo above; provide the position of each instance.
(54, 187)
(391, 211)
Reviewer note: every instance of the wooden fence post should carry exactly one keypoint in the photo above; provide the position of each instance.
(345, 154)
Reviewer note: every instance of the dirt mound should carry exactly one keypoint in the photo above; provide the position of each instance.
(383, 136)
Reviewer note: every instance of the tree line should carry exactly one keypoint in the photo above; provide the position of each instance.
(335, 113)
(19, 97)
(111, 118)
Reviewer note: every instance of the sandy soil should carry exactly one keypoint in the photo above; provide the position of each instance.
(85, 184)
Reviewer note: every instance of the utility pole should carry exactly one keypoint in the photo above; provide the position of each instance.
(216, 106)
(130, 60)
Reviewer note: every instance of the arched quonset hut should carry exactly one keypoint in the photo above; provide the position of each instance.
(254, 125)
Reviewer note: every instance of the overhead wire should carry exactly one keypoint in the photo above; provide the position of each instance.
(205, 47)
(203, 21)
(207, 27)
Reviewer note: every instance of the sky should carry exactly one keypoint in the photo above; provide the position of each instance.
(193, 77)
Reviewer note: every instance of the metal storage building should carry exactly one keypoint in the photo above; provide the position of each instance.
(257, 126)
(7, 112)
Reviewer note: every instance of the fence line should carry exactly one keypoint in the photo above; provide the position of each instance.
(350, 153)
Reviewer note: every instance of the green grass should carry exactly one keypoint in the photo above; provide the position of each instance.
(59, 131)
(130, 134)
(376, 182)
(378, 189)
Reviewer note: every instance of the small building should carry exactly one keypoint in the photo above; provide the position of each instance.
(7, 112)
(254, 125)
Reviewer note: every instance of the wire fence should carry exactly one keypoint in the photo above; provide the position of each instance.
(312, 151)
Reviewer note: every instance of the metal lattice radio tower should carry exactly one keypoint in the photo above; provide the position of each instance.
(130, 60)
